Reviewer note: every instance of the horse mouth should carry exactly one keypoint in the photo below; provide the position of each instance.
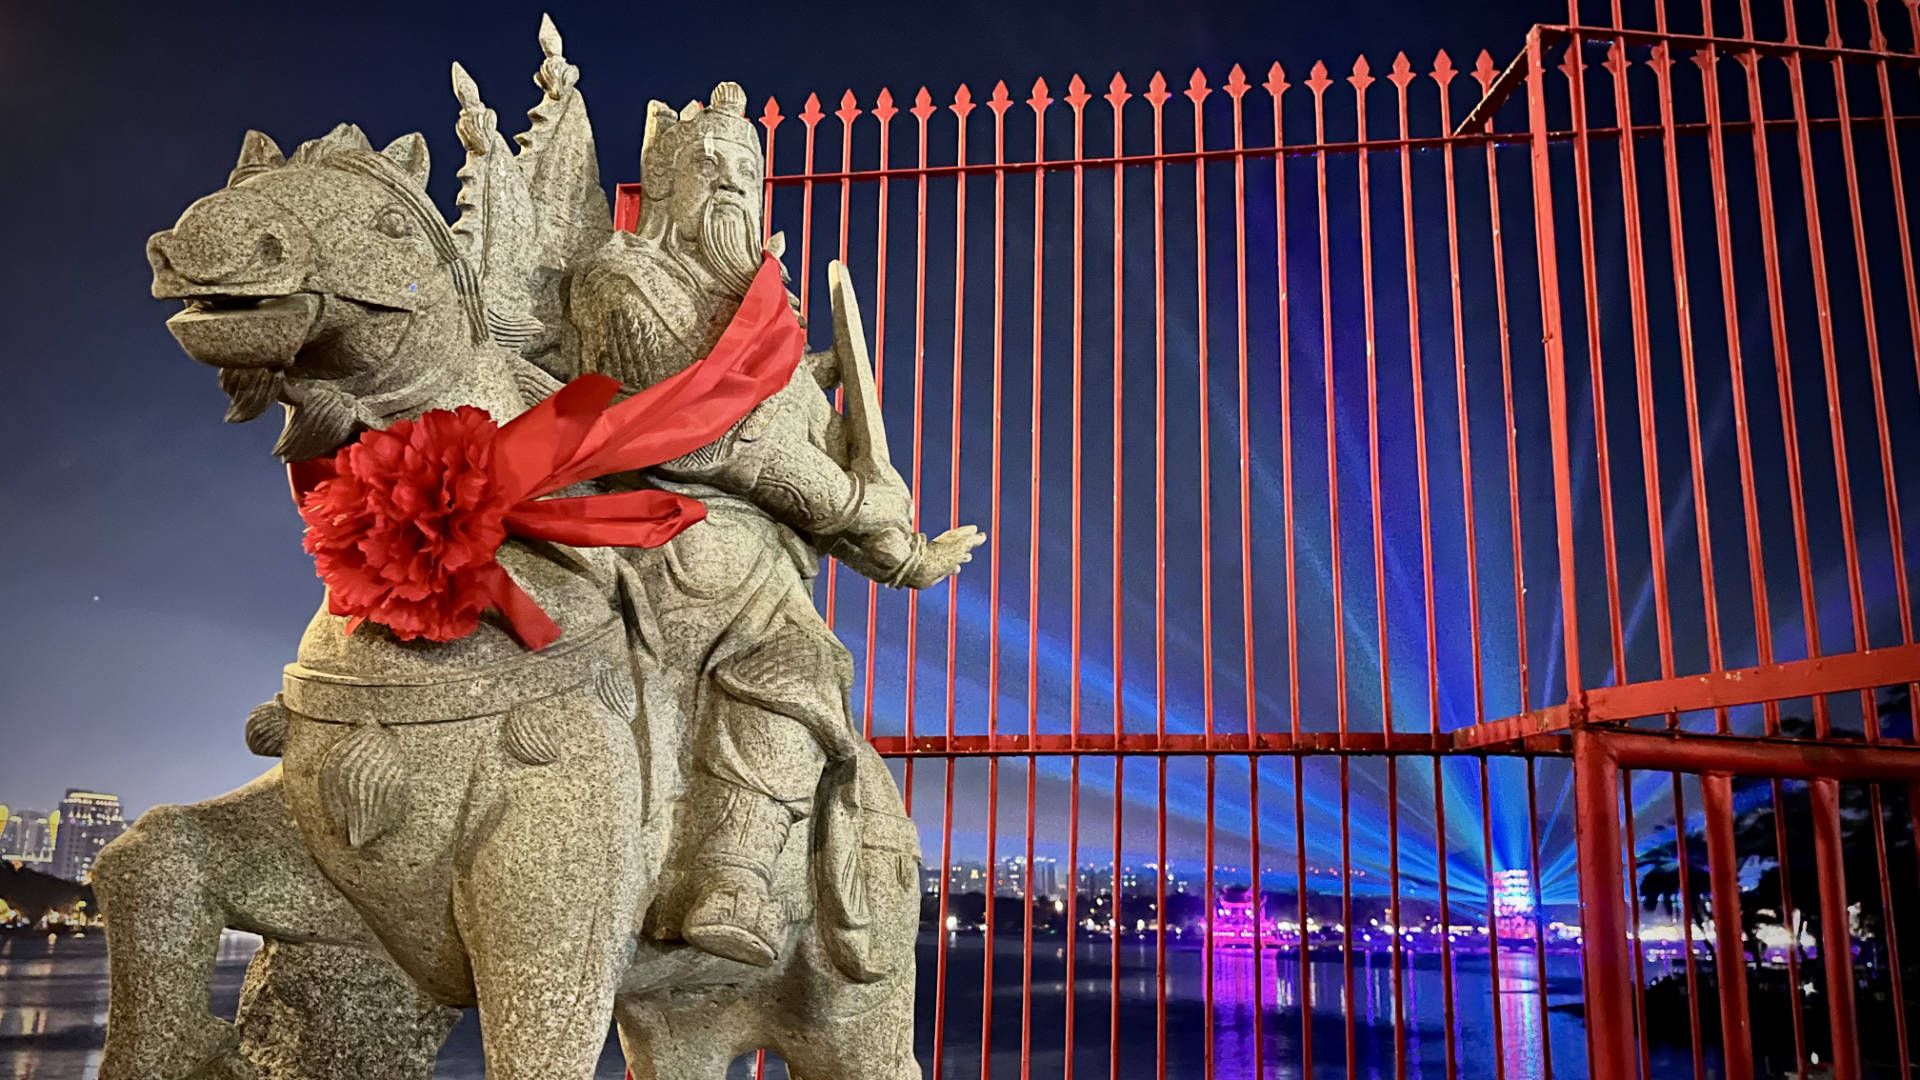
(245, 331)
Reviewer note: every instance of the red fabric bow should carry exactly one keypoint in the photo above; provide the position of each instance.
(404, 523)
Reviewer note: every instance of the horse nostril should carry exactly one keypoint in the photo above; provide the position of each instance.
(269, 249)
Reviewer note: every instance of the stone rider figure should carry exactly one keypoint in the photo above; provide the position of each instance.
(729, 601)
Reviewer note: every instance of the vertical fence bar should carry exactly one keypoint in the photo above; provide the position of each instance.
(883, 114)
(1157, 96)
(848, 112)
(922, 110)
(1237, 89)
(1116, 98)
(1605, 971)
(1038, 102)
(1707, 59)
(1276, 86)
(1817, 263)
(1836, 937)
(1639, 941)
(1573, 66)
(1903, 231)
(1539, 930)
(1730, 958)
(1493, 927)
(1553, 345)
(1317, 82)
(1683, 860)
(962, 105)
(1077, 98)
(998, 104)
(1749, 60)
(1197, 93)
(1653, 494)
(1661, 61)
(1895, 537)
(1484, 74)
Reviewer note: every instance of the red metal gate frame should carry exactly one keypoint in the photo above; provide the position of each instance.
(1594, 723)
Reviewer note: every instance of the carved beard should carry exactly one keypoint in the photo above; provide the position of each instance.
(730, 245)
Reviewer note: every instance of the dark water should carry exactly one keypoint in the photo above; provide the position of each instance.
(53, 1001)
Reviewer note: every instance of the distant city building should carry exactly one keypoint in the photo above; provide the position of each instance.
(1012, 879)
(1513, 912)
(27, 836)
(1096, 880)
(89, 820)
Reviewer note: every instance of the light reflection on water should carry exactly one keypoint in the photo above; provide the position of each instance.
(53, 998)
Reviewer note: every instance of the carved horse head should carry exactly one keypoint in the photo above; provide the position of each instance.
(328, 281)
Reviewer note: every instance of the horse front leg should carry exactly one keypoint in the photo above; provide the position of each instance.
(552, 884)
(168, 887)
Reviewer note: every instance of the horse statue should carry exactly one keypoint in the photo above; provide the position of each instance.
(468, 823)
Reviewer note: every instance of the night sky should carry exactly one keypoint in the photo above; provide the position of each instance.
(154, 581)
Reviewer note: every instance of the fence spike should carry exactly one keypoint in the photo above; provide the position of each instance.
(1317, 80)
(770, 116)
(849, 108)
(1077, 95)
(811, 114)
(1483, 72)
(1197, 87)
(1402, 73)
(1116, 94)
(962, 102)
(1157, 90)
(1039, 101)
(1276, 83)
(1570, 65)
(1000, 101)
(883, 109)
(1443, 70)
(922, 105)
(1617, 59)
(1237, 84)
(1362, 76)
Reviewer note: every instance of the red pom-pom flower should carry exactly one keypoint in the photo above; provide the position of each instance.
(405, 531)
(404, 523)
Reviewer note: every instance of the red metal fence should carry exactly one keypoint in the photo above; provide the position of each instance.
(1273, 393)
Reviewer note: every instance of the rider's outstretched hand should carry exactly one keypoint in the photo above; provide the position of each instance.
(943, 556)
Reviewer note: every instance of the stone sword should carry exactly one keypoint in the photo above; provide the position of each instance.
(866, 428)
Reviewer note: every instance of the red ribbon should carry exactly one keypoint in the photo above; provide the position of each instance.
(578, 434)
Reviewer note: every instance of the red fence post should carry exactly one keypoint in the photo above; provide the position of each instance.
(1836, 937)
(1605, 966)
(1729, 956)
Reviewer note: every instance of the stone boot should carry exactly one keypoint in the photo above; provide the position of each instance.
(734, 913)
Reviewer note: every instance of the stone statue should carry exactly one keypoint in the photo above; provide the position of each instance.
(664, 818)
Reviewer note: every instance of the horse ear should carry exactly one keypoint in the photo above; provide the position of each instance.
(257, 152)
(410, 153)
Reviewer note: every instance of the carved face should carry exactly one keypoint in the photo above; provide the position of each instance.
(715, 170)
(715, 206)
(291, 256)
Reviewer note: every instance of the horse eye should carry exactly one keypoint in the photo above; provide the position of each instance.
(393, 222)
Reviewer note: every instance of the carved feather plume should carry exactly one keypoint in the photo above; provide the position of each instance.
(497, 225)
(562, 172)
(558, 158)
